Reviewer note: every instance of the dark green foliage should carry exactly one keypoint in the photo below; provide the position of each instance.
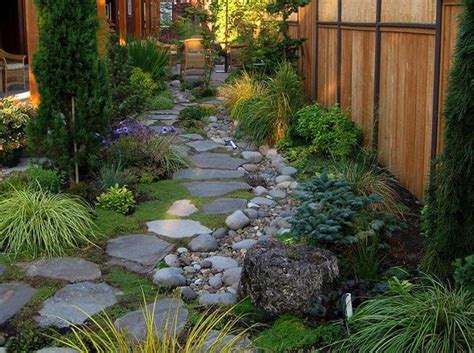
(120, 71)
(142, 90)
(46, 179)
(329, 131)
(152, 59)
(451, 193)
(289, 333)
(464, 273)
(67, 67)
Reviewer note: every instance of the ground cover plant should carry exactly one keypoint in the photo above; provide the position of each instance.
(117, 198)
(38, 223)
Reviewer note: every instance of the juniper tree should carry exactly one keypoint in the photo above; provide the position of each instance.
(450, 213)
(73, 85)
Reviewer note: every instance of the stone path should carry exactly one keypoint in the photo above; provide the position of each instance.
(206, 265)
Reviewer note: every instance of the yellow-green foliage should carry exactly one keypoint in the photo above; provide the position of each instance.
(242, 89)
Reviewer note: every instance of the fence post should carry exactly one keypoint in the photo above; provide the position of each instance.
(378, 45)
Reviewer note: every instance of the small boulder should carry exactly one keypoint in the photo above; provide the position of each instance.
(219, 233)
(282, 178)
(221, 263)
(232, 276)
(203, 243)
(217, 299)
(169, 277)
(172, 260)
(237, 220)
(277, 194)
(215, 282)
(263, 201)
(288, 171)
(188, 293)
(251, 213)
(244, 244)
(260, 191)
(254, 157)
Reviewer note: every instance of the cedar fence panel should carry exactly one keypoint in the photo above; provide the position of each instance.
(387, 62)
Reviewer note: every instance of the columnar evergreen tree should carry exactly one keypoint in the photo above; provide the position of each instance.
(73, 85)
(450, 217)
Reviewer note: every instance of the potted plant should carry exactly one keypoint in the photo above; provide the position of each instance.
(14, 116)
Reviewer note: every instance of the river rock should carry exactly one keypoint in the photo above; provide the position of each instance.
(284, 279)
(217, 299)
(221, 263)
(263, 201)
(203, 243)
(172, 260)
(170, 277)
(237, 220)
(288, 171)
(244, 244)
(231, 276)
(277, 194)
(251, 156)
(260, 191)
(282, 178)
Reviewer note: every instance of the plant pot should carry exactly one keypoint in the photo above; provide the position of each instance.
(11, 158)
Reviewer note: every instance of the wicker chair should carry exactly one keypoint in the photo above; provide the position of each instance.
(13, 67)
(194, 55)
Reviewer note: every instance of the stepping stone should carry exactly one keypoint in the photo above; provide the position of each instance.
(163, 117)
(222, 263)
(217, 299)
(203, 145)
(224, 206)
(182, 208)
(57, 350)
(217, 161)
(214, 188)
(177, 228)
(75, 303)
(137, 253)
(13, 297)
(263, 201)
(72, 269)
(207, 174)
(193, 137)
(169, 314)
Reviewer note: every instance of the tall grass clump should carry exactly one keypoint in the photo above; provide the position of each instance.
(39, 223)
(429, 318)
(240, 90)
(268, 116)
(214, 331)
(147, 56)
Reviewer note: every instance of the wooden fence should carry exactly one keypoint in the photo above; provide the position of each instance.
(387, 62)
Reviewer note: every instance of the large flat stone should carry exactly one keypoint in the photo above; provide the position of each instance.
(214, 188)
(169, 314)
(224, 206)
(72, 269)
(192, 137)
(204, 145)
(217, 161)
(75, 303)
(13, 297)
(137, 253)
(208, 174)
(182, 208)
(177, 228)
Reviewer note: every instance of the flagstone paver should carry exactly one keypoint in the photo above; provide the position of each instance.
(182, 208)
(208, 174)
(217, 161)
(72, 269)
(137, 253)
(13, 297)
(74, 303)
(193, 137)
(204, 145)
(177, 228)
(214, 188)
(224, 206)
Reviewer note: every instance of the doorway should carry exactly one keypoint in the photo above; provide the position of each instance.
(13, 27)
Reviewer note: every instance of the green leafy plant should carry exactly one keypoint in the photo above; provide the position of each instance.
(38, 223)
(214, 331)
(240, 89)
(49, 180)
(328, 210)
(397, 286)
(464, 273)
(73, 83)
(428, 318)
(366, 258)
(111, 175)
(191, 116)
(268, 116)
(142, 91)
(160, 102)
(117, 198)
(329, 131)
(450, 213)
(149, 57)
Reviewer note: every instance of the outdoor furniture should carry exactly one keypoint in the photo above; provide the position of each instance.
(13, 69)
(194, 55)
(172, 51)
(235, 55)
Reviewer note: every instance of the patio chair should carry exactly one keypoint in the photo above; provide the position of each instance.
(13, 67)
(194, 55)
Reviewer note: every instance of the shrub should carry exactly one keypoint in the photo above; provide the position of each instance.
(117, 198)
(14, 117)
(451, 193)
(214, 331)
(267, 117)
(464, 273)
(68, 69)
(241, 89)
(142, 90)
(366, 178)
(111, 175)
(330, 213)
(152, 59)
(429, 318)
(49, 180)
(328, 131)
(38, 223)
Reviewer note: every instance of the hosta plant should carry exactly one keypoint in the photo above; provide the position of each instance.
(39, 223)
(117, 198)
